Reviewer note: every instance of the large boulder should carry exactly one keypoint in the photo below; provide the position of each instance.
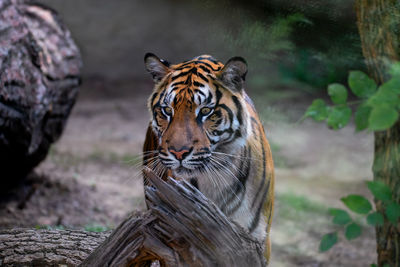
(40, 69)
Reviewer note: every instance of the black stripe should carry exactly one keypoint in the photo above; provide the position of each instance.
(163, 153)
(211, 77)
(263, 175)
(161, 96)
(202, 77)
(209, 98)
(239, 108)
(256, 218)
(228, 110)
(200, 92)
(219, 133)
(211, 59)
(193, 70)
(205, 68)
(243, 174)
(189, 80)
(177, 83)
(180, 75)
(236, 187)
(195, 83)
(153, 97)
(217, 93)
(208, 65)
(184, 65)
(238, 134)
(239, 200)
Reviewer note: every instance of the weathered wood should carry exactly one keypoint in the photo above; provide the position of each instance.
(379, 23)
(39, 78)
(181, 228)
(24, 247)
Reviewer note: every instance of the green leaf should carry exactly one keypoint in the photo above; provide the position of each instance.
(318, 110)
(339, 117)
(373, 265)
(387, 94)
(393, 212)
(382, 118)
(353, 230)
(360, 84)
(328, 241)
(338, 93)
(395, 69)
(357, 203)
(361, 117)
(341, 217)
(375, 218)
(380, 190)
(393, 85)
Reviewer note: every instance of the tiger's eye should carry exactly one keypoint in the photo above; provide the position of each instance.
(167, 110)
(214, 117)
(205, 111)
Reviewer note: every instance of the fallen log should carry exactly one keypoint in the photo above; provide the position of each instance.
(181, 228)
(27, 247)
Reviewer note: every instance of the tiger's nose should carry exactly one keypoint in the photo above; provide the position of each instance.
(180, 154)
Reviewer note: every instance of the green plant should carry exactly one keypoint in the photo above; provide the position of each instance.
(94, 227)
(360, 205)
(377, 109)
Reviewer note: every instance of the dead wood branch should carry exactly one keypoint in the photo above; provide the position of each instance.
(181, 228)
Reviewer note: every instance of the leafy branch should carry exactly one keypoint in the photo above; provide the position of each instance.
(378, 107)
(362, 206)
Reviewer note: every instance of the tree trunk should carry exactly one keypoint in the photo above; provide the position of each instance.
(379, 23)
(181, 228)
(39, 79)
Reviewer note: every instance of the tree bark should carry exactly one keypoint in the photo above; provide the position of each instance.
(379, 23)
(39, 79)
(181, 228)
(23, 247)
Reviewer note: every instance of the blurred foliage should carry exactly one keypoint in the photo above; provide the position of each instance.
(303, 44)
(49, 227)
(94, 227)
(378, 107)
(263, 41)
(294, 205)
(363, 208)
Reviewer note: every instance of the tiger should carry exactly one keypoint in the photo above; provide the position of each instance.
(204, 129)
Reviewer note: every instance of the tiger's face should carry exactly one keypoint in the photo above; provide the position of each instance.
(196, 110)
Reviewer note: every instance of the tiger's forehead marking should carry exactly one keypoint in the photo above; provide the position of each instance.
(191, 81)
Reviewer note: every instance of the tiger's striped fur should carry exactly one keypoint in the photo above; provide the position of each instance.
(205, 129)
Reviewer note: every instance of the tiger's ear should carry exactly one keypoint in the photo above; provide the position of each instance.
(234, 73)
(158, 68)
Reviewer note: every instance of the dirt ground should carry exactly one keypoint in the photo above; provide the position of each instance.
(90, 178)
